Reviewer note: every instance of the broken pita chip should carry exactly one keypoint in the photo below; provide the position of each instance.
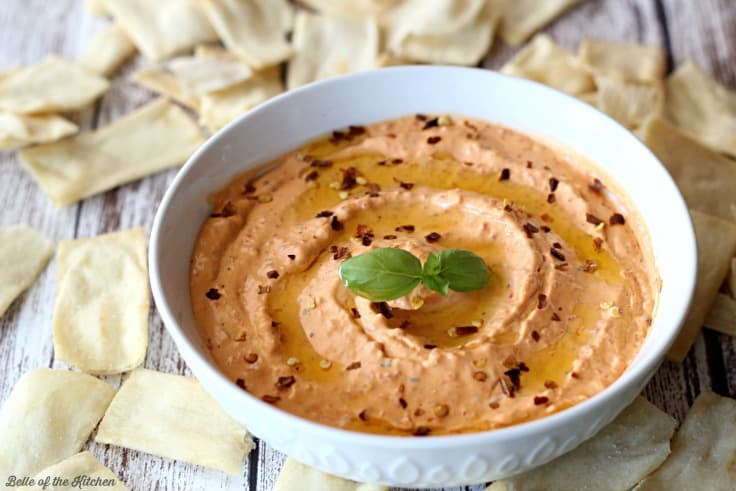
(353, 8)
(198, 75)
(618, 457)
(48, 417)
(254, 30)
(330, 46)
(7, 72)
(76, 470)
(624, 62)
(542, 60)
(589, 97)
(162, 28)
(166, 84)
(706, 179)
(455, 32)
(19, 130)
(24, 253)
(716, 240)
(108, 50)
(722, 316)
(157, 136)
(702, 107)
(296, 476)
(387, 59)
(52, 85)
(521, 19)
(101, 313)
(173, 417)
(628, 103)
(703, 449)
(221, 107)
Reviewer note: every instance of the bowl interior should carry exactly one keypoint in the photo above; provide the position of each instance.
(290, 120)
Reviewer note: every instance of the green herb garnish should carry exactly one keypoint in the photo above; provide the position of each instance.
(387, 273)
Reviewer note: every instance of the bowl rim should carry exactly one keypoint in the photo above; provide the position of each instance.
(203, 369)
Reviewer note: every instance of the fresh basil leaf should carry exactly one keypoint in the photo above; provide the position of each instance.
(432, 266)
(436, 283)
(463, 270)
(382, 274)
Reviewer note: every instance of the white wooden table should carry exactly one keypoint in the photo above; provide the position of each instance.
(703, 30)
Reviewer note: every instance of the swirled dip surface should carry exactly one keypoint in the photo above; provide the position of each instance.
(570, 300)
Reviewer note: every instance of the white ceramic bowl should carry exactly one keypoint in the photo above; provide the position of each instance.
(292, 119)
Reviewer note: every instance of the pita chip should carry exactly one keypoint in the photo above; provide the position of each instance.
(628, 103)
(716, 246)
(702, 107)
(543, 61)
(254, 30)
(48, 417)
(353, 8)
(166, 84)
(7, 72)
(156, 136)
(108, 50)
(624, 62)
(96, 7)
(296, 476)
(75, 470)
(173, 417)
(52, 85)
(520, 19)
(162, 28)
(703, 449)
(223, 106)
(706, 179)
(457, 32)
(722, 317)
(101, 313)
(330, 46)
(19, 130)
(619, 456)
(198, 75)
(24, 253)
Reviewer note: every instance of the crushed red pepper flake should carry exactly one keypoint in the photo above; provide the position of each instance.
(514, 376)
(381, 162)
(546, 218)
(382, 308)
(240, 383)
(405, 228)
(397, 161)
(535, 336)
(555, 317)
(372, 189)
(597, 243)
(355, 312)
(596, 186)
(421, 117)
(335, 224)
(356, 130)
(541, 301)
(349, 178)
(470, 125)
(529, 164)
(617, 219)
(285, 382)
(251, 358)
(291, 256)
(273, 274)
(590, 218)
(466, 330)
(363, 415)
(263, 289)
(275, 324)
(494, 405)
(480, 376)
(402, 402)
(556, 245)
(213, 294)
(432, 123)
(557, 254)
(405, 185)
(249, 188)
(530, 230)
(227, 211)
(539, 400)
(589, 266)
(271, 399)
(562, 267)
(545, 229)
(389, 237)
(553, 183)
(418, 412)
(432, 237)
(353, 366)
(432, 140)
(575, 375)
(422, 431)
(339, 252)
(322, 164)
(505, 174)
(551, 198)
(324, 214)
(550, 384)
(430, 346)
